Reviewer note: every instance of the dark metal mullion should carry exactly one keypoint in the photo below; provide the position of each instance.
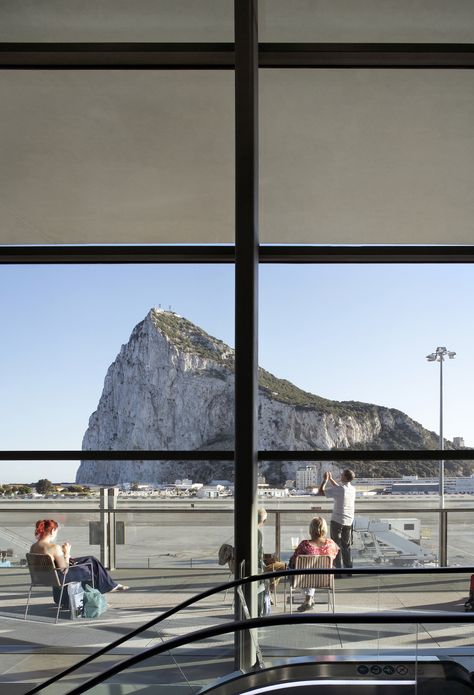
(291, 253)
(117, 254)
(116, 56)
(221, 455)
(367, 55)
(246, 307)
(119, 455)
(270, 253)
(221, 56)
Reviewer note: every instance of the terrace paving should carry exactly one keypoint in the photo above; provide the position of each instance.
(35, 649)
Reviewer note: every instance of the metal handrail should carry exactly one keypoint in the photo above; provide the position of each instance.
(229, 510)
(324, 506)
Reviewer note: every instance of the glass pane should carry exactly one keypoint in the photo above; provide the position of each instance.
(332, 647)
(386, 655)
(345, 352)
(392, 535)
(366, 156)
(177, 533)
(116, 20)
(91, 360)
(167, 527)
(94, 157)
(460, 541)
(366, 21)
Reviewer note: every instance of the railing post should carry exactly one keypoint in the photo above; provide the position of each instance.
(104, 523)
(443, 538)
(277, 534)
(111, 518)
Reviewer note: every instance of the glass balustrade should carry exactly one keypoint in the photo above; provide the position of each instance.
(396, 544)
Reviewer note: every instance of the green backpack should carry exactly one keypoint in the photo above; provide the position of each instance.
(94, 603)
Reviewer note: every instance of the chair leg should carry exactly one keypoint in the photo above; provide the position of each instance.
(60, 602)
(229, 578)
(275, 599)
(291, 600)
(28, 602)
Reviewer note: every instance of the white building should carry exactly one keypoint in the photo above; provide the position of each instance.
(210, 491)
(273, 492)
(307, 477)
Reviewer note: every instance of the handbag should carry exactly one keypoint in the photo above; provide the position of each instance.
(269, 558)
(94, 603)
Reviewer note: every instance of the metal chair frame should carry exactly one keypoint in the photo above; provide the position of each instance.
(43, 572)
(314, 581)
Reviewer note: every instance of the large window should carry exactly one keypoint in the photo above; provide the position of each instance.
(366, 156)
(116, 157)
(115, 357)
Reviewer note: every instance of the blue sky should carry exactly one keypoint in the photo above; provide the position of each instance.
(344, 332)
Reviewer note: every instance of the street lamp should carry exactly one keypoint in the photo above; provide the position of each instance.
(439, 356)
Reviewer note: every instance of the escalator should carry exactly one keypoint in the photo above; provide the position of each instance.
(347, 677)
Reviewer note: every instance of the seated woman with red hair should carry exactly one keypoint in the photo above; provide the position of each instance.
(45, 532)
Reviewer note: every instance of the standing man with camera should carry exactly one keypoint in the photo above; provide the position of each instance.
(342, 517)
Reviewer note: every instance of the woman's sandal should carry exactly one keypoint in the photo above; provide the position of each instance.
(120, 587)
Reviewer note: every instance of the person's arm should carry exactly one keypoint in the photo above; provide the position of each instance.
(61, 555)
(333, 482)
(322, 487)
(260, 562)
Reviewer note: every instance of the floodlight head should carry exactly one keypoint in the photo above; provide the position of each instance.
(441, 350)
(451, 355)
(431, 358)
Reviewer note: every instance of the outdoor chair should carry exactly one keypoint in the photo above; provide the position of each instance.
(273, 565)
(43, 572)
(313, 581)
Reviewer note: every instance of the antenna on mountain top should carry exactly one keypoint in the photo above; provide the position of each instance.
(159, 306)
(169, 308)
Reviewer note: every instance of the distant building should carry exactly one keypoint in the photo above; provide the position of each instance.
(273, 492)
(458, 442)
(209, 491)
(307, 477)
(418, 487)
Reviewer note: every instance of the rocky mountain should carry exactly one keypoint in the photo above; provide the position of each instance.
(172, 387)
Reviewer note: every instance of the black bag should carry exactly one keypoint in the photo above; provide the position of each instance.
(469, 605)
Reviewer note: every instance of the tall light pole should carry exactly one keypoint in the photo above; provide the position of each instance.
(439, 356)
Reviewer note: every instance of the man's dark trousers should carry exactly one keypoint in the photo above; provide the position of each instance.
(342, 535)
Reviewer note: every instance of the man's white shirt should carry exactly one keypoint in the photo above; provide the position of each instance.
(344, 503)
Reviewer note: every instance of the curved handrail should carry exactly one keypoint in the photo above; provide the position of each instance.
(234, 584)
(268, 621)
